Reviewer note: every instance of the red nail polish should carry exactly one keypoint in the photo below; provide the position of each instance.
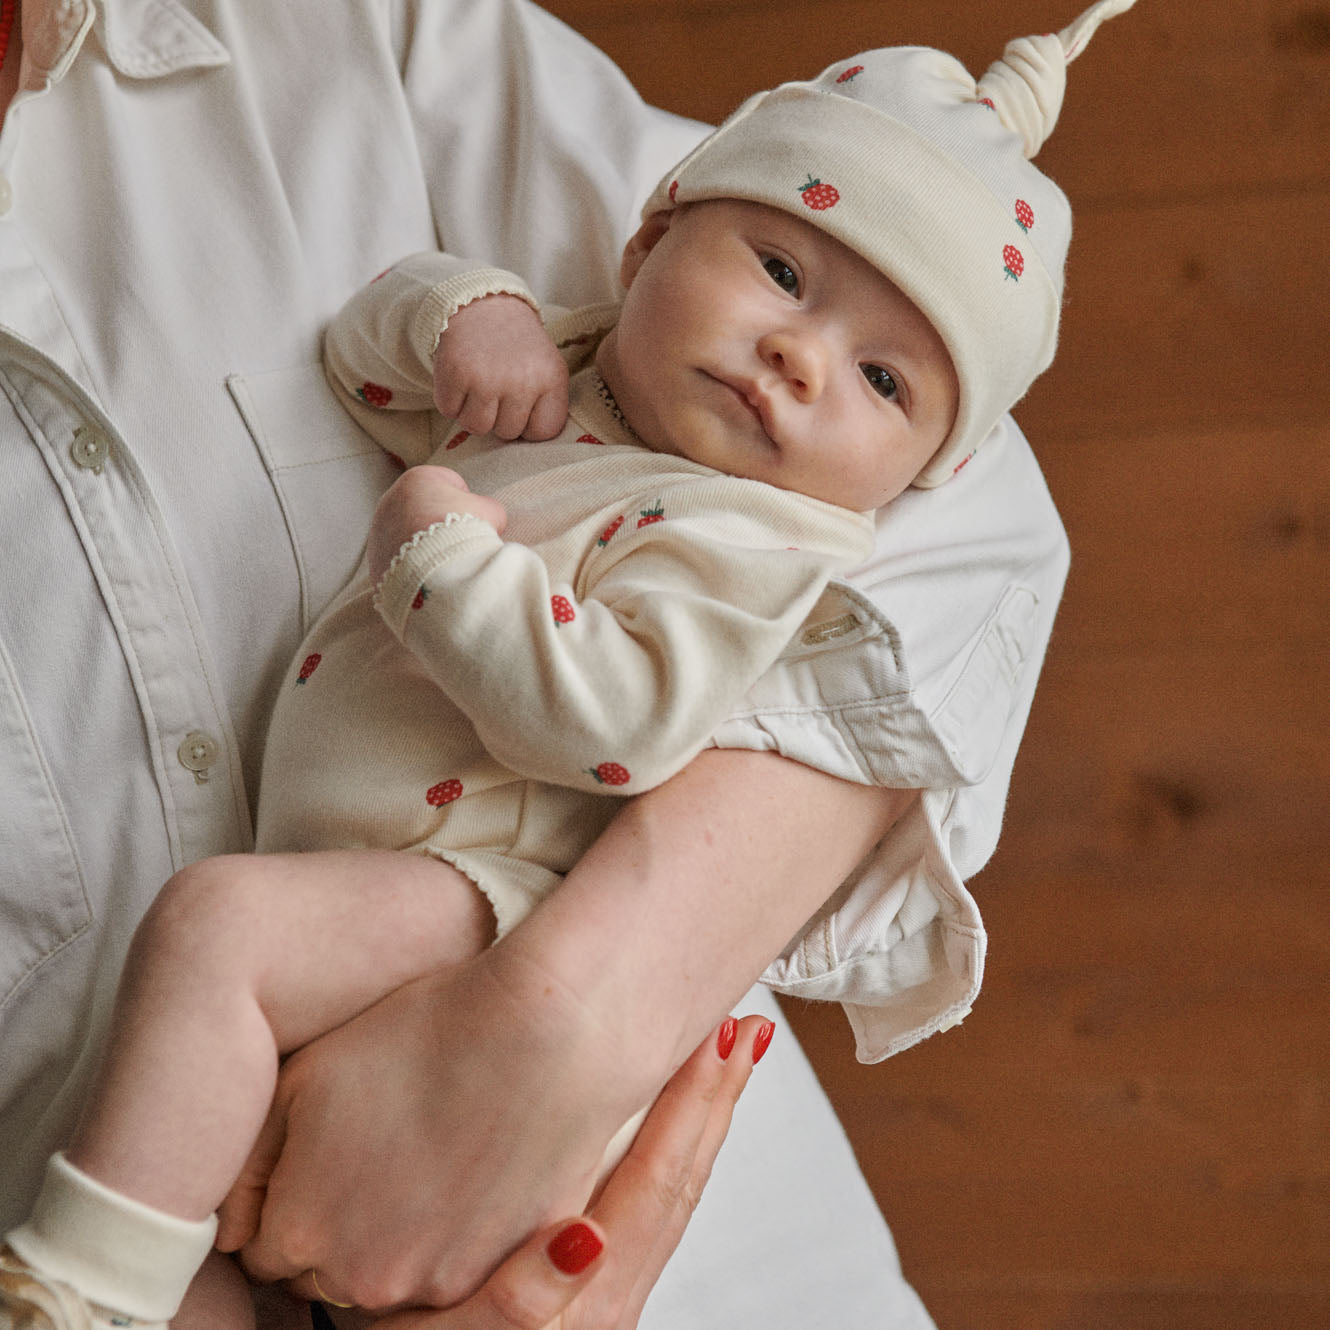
(729, 1031)
(762, 1041)
(572, 1249)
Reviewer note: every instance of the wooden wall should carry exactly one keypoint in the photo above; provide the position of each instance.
(1133, 1128)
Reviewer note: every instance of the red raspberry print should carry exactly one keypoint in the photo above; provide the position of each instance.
(374, 394)
(1024, 215)
(311, 664)
(421, 596)
(562, 609)
(590, 438)
(608, 534)
(853, 72)
(460, 437)
(611, 773)
(443, 793)
(818, 196)
(649, 515)
(1013, 261)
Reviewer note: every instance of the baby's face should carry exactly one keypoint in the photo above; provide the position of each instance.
(755, 343)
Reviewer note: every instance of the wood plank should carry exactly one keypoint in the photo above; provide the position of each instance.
(1181, 316)
(1182, 764)
(1088, 1177)
(1215, 538)
(959, 1305)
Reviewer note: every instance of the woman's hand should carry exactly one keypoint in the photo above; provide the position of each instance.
(559, 1278)
(595, 1273)
(497, 372)
(411, 1149)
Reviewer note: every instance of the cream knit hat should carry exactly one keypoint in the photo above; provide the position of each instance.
(902, 156)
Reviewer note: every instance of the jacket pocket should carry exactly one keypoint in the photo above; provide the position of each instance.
(326, 471)
(43, 898)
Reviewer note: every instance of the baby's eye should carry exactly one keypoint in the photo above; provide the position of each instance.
(782, 274)
(882, 382)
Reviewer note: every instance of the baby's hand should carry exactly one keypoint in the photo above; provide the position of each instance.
(417, 499)
(497, 372)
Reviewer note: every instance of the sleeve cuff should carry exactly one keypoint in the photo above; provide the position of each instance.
(444, 299)
(401, 588)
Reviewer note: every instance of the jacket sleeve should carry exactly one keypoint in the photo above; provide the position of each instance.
(616, 683)
(379, 349)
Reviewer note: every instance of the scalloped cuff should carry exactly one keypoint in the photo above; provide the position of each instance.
(399, 589)
(442, 301)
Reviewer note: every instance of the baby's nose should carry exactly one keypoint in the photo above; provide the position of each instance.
(799, 359)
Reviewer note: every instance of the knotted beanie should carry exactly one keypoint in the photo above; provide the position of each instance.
(901, 155)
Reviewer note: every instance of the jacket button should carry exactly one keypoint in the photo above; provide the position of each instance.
(197, 752)
(90, 448)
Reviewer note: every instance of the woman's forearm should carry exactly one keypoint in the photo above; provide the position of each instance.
(694, 888)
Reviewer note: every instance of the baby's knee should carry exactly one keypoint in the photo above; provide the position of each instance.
(197, 911)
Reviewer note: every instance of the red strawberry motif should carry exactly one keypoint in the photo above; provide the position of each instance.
(1014, 262)
(443, 793)
(374, 394)
(610, 773)
(818, 196)
(988, 102)
(590, 438)
(562, 609)
(853, 72)
(397, 461)
(674, 189)
(649, 515)
(608, 534)
(311, 664)
(460, 437)
(1024, 215)
(421, 596)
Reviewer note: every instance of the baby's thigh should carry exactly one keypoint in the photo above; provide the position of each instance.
(315, 938)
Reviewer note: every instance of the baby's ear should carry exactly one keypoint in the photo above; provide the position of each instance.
(643, 242)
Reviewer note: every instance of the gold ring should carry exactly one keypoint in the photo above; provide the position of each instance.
(323, 1297)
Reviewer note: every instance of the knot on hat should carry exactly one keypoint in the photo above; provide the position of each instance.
(1026, 86)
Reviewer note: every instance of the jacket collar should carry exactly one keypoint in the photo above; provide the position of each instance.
(143, 39)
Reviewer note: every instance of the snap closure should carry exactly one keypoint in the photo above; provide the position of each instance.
(90, 448)
(197, 752)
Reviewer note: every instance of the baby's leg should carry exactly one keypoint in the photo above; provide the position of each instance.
(242, 959)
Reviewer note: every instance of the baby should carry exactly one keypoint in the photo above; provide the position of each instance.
(835, 296)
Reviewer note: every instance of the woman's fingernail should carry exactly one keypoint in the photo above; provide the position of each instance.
(729, 1031)
(762, 1041)
(572, 1249)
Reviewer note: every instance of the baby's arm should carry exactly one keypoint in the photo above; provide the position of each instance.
(610, 685)
(437, 331)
